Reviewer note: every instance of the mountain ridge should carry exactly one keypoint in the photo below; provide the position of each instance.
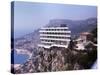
(76, 27)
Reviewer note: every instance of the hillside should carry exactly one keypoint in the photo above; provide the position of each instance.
(31, 40)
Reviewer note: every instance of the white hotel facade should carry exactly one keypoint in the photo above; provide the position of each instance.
(58, 36)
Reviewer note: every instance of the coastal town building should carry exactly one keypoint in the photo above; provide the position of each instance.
(55, 36)
(83, 40)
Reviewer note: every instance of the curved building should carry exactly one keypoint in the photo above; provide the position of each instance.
(55, 36)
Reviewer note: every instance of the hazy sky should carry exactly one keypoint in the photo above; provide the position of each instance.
(30, 16)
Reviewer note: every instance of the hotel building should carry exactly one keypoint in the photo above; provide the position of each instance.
(58, 36)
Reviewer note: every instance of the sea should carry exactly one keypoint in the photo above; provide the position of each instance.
(20, 58)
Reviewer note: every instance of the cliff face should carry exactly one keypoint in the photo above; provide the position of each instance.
(58, 59)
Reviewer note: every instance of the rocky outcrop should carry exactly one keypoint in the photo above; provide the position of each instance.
(57, 59)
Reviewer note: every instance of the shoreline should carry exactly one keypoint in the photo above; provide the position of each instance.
(23, 51)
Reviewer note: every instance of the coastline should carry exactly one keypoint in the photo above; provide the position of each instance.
(23, 51)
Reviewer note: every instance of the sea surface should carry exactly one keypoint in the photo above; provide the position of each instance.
(20, 58)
